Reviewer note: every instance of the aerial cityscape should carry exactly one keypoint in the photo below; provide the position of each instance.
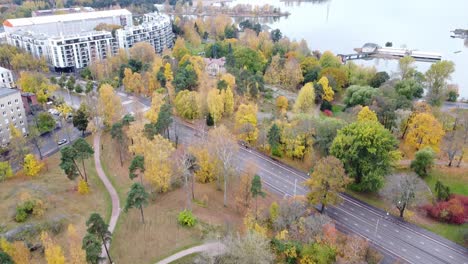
(233, 131)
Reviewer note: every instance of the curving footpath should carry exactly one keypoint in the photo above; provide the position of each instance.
(110, 189)
(214, 249)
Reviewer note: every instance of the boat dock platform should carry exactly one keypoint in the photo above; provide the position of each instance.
(373, 51)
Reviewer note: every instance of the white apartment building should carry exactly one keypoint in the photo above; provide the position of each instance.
(68, 24)
(11, 113)
(67, 52)
(156, 29)
(6, 78)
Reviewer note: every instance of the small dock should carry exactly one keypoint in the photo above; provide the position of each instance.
(373, 51)
(460, 33)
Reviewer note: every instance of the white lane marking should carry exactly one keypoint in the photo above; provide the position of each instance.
(418, 257)
(404, 249)
(422, 243)
(335, 213)
(346, 218)
(362, 214)
(396, 230)
(385, 225)
(450, 257)
(438, 250)
(372, 219)
(380, 237)
(391, 243)
(355, 224)
(367, 230)
(409, 236)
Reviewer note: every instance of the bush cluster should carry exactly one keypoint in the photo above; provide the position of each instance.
(186, 218)
(27, 208)
(454, 211)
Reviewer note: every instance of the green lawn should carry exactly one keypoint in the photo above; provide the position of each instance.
(187, 259)
(457, 180)
(451, 232)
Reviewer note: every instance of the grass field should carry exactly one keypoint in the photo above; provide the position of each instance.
(455, 178)
(161, 235)
(63, 202)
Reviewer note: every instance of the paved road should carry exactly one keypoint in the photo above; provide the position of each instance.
(112, 192)
(214, 248)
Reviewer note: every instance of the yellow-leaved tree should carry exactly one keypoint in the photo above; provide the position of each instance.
(187, 104)
(157, 153)
(208, 165)
(305, 99)
(109, 105)
(179, 50)
(229, 79)
(32, 166)
(76, 254)
(168, 73)
(53, 252)
(215, 103)
(228, 101)
(282, 104)
(17, 250)
(366, 115)
(328, 92)
(424, 131)
(246, 122)
(157, 101)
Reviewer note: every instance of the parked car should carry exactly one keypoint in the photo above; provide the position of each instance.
(62, 141)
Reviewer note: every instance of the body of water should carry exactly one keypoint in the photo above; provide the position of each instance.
(342, 25)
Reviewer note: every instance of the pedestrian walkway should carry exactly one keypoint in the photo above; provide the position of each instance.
(110, 189)
(214, 249)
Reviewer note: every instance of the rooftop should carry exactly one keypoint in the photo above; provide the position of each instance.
(5, 92)
(4, 69)
(30, 21)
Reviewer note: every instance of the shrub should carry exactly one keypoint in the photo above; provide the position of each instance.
(186, 218)
(326, 106)
(83, 187)
(454, 211)
(423, 161)
(276, 151)
(328, 113)
(24, 210)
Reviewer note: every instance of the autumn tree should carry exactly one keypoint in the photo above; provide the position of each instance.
(305, 99)
(436, 79)
(228, 101)
(243, 194)
(359, 95)
(256, 190)
(36, 83)
(246, 122)
(406, 67)
(17, 250)
(423, 161)
(53, 252)
(118, 134)
(18, 145)
(424, 131)
(179, 50)
(34, 136)
(368, 152)
(215, 103)
(329, 60)
(208, 165)
(224, 146)
(5, 170)
(326, 182)
(169, 77)
(109, 105)
(98, 228)
(274, 136)
(251, 248)
(157, 100)
(31, 165)
(142, 51)
(187, 104)
(137, 197)
(75, 252)
(366, 115)
(282, 104)
(328, 92)
(354, 250)
(45, 122)
(403, 191)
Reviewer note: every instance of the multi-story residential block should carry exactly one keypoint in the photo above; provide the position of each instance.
(156, 29)
(6, 78)
(75, 48)
(11, 113)
(68, 24)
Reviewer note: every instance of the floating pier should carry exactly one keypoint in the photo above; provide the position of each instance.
(373, 51)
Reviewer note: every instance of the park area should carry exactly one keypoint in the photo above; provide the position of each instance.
(57, 204)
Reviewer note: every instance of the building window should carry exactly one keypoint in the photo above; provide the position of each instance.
(9, 102)
(18, 108)
(16, 101)
(21, 122)
(2, 105)
(4, 113)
